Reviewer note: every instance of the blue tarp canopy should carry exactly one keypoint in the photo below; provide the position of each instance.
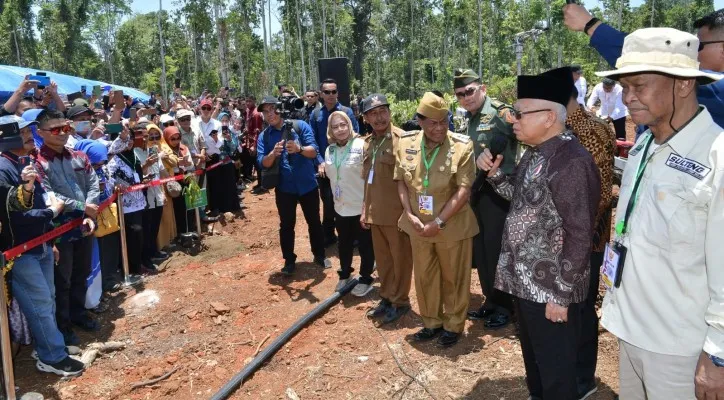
(11, 76)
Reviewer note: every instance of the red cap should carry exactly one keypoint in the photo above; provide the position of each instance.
(206, 102)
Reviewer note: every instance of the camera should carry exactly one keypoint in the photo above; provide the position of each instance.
(288, 104)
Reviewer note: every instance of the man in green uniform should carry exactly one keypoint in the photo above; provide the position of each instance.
(435, 170)
(382, 209)
(489, 124)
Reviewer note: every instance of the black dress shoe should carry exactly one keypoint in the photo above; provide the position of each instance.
(448, 338)
(480, 314)
(427, 334)
(288, 269)
(380, 309)
(87, 324)
(497, 321)
(586, 389)
(394, 313)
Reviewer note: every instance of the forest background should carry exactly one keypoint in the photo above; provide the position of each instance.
(399, 47)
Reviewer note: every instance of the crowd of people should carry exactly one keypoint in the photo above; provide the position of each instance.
(522, 193)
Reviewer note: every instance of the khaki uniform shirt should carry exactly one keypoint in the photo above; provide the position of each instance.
(382, 203)
(453, 167)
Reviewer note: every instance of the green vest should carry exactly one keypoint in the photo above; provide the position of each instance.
(488, 122)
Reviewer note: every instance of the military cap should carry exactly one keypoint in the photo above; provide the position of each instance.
(373, 101)
(432, 106)
(464, 77)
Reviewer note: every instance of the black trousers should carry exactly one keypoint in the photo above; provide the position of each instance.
(549, 351)
(71, 274)
(287, 209)
(109, 249)
(350, 230)
(134, 240)
(325, 192)
(490, 211)
(227, 198)
(185, 219)
(151, 224)
(214, 184)
(588, 348)
(248, 165)
(619, 125)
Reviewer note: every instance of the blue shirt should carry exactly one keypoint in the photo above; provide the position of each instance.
(319, 125)
(608, 42)
(297, 174)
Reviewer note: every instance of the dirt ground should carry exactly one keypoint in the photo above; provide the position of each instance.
(203, 317)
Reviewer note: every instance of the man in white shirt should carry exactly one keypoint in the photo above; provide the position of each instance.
(667, 304)
(211, 130)
(580, 82)
(612, 108)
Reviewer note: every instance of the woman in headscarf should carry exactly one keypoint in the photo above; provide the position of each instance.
(343, 166)
(109, 245)
(125, 170)
(148, 154)
(177, 162)
(228, 200)
(167, 227)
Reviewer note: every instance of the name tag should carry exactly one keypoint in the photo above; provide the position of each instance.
(687, 166)
(337, 192)
(371, 176)
(425, 204)
(614, 257)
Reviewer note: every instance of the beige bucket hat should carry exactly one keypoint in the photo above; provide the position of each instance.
(665, 50)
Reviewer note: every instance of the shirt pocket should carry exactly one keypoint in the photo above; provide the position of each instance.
(386, 164)
(671, 221)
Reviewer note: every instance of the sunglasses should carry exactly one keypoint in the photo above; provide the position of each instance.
(467, 92)
(702, 44)
(58, 130)
(205, 108)
(184, 119)
(519, 114)
(154, 137)
(169, 123)
(329, 92)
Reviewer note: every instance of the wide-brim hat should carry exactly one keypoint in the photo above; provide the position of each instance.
(664, 50)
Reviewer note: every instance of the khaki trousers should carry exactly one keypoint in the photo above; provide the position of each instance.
(645, 375)
(442, 282)
(393, 255)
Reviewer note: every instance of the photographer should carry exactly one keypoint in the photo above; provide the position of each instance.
(295, 151)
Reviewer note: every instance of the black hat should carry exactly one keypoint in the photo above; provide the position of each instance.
(77, 111)
(555, 85)
(373, 101)
(10, 132)
(464, 77)
(267, 100)
(564, 74)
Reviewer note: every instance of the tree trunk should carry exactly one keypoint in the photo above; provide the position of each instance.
(324, 29)
(412, 52)
(221, 37)
(480, 37)
(653, 9)
(17, 48)
(163, 53)
(301, 46)
(263, 28)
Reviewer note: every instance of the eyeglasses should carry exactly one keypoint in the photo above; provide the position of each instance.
(184, 119)
(154, 137)
(57, 130)
(169, 123)
(467, 93)
(702, 44)
(205, 108)
(519, 114)
(340, 125)
(328, 92)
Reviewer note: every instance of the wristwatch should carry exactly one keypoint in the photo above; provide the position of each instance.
(440, 223)
(719, 362)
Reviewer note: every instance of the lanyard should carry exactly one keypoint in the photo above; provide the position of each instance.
(375, 149)
(426, 181)
(621, 225)
(339, 160)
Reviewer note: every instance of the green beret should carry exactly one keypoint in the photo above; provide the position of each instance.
(464, 77)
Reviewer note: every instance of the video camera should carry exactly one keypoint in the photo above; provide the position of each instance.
(286, 105)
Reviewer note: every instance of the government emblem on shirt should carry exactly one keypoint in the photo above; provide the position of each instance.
(687, 166)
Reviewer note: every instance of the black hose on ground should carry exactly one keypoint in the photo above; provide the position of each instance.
(277, 344)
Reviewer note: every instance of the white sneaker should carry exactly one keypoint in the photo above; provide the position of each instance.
(361, 289)
(341, 284)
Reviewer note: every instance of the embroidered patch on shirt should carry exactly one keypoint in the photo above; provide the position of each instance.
(636, 150)
(687, 166)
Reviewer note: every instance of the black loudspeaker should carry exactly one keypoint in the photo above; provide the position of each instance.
(336, 68)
